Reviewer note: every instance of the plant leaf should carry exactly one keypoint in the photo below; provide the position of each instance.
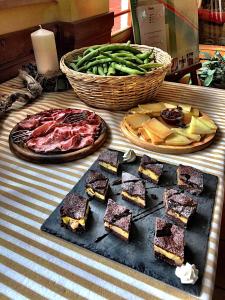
(211, 72)
(208, 80)
(204, 69)
(205, 63)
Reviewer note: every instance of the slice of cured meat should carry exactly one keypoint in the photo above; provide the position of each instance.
(61, 139)
(43, 129)
(30, 122)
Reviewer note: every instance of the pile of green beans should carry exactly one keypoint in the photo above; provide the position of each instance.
(114, 60)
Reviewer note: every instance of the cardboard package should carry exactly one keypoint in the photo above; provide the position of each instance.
(171, 25)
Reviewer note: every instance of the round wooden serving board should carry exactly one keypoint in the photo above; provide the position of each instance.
(23, 152)
(195, 146)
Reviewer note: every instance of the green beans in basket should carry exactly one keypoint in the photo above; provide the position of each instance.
(112, 47)
(127, 70)
(125, 62)
(115, 60)
(94, 63)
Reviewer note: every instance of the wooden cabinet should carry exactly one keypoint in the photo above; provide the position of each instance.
(16, 48)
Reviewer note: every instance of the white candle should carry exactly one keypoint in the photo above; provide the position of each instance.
(45, 51)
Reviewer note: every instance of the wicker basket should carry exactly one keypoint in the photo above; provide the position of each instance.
(116, 92)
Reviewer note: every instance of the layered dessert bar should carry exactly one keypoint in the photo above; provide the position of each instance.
(108, 160)
(133, 189)
(150, 169)
(169, 242)
(118, 220)
(190, 179)
(74, 212)
(179, 206)
(97, 186)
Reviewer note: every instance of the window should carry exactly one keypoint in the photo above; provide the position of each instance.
(122, 16)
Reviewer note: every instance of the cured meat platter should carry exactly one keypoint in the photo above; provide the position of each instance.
(58, 135)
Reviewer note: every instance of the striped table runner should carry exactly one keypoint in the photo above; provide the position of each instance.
(35, 265)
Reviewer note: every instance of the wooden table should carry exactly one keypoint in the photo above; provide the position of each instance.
(35, 265)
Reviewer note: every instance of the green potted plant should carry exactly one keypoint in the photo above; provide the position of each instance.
(212, 73)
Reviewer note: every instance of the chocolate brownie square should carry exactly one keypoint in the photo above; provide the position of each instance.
(179, 206)
(190, 179)
(109, 161)
(118, 220)
(169, 242)
(133, 189)
(150, 169)
(74, 212)
(97, 185)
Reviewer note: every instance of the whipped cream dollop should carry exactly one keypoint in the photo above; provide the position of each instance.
(187, 273)
(129, 156)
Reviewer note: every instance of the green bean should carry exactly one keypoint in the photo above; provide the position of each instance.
(96, 58)
(75, 61)
(111, 70)
(95, 70)
(94, 63)
(124, 62)
(92, 48)
(151, 65)
(105, 68)
(129, 56)
(145, 55)
(100, 70)
(99, 57)
(133, 59)
(127, 70)
(98, 46)
(73, 66)
(128, 43)
(138, 60)
(87, 51)
(112, 47)
(122, 54)
(123, 51)
(149, 59)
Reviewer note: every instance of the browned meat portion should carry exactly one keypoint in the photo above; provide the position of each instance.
(50, 132)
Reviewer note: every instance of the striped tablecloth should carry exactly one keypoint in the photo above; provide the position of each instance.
(35, 265)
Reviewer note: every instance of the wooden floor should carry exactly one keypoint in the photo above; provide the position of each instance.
(219, 292)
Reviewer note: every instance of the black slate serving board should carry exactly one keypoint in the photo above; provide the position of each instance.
(138, 253)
